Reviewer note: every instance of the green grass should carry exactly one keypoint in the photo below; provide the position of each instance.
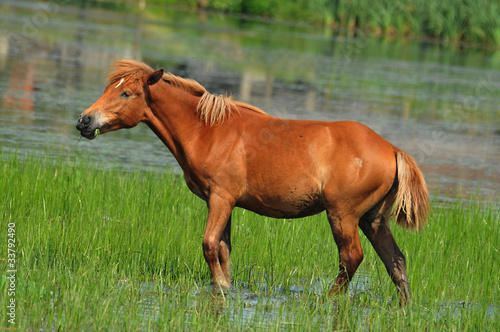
(102, 249)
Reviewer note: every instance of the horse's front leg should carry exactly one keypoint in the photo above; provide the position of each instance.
(225, 251)
(216, 241)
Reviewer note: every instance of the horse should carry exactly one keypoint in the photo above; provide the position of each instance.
(234, 154)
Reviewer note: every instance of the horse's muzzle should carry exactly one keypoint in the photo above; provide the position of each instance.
(86, 126)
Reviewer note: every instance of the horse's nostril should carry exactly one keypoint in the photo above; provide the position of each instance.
(84, 121)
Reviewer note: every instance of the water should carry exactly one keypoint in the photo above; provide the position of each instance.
(243, 303)
(439, 103)
(250, 304)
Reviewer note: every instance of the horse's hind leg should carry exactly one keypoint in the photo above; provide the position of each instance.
(375, 225)
(345, 233)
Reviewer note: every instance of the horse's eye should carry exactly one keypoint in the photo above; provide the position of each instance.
(126, 94)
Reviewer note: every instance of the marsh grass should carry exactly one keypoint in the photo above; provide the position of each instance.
(103, 249)
(473, 21)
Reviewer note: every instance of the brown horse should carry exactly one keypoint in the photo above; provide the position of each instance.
(234, 154)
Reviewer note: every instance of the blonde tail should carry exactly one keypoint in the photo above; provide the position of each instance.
(412, 198)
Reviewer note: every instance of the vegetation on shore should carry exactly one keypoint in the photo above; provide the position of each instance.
(472, 21)
(104, 249)
(452, 21)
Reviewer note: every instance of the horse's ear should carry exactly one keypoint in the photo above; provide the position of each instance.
(155, 77)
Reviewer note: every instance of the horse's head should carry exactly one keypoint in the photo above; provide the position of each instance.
(122, 105)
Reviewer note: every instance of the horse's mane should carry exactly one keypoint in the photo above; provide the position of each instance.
(212, 109)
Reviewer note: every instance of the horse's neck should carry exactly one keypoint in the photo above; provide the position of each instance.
(173, 119)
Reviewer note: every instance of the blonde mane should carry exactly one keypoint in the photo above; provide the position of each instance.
(212, 109)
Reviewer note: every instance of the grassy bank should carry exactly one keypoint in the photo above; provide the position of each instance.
(450, 20)
(107, 250)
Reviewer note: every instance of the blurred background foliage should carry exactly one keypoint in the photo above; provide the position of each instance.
(469, 21)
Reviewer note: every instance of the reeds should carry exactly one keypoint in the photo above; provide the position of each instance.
(452, 20)
(474, 21)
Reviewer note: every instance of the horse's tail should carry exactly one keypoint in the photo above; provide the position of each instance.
(412, 198)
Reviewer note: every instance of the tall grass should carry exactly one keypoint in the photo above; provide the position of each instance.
(110, 250)
(476, 21)
(451, 20)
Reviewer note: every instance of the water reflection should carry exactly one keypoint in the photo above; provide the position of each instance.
(440, 104)
(19, 92)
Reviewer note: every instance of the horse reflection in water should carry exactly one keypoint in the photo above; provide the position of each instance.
(234, 154)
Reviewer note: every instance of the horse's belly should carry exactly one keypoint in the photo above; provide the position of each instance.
(290, 206)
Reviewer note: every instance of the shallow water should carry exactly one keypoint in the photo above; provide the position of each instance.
(259, 304)
(243, 303)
